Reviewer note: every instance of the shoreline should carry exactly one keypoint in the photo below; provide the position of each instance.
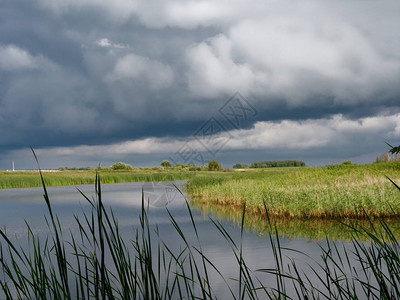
(331, 192)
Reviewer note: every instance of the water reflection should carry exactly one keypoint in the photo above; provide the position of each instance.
(311, 229)
(21, 205)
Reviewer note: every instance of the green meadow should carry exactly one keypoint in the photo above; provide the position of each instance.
(337, 191)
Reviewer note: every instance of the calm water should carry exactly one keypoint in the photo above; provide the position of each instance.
(20, 205)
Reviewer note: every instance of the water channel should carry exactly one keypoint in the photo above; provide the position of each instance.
(18, 206)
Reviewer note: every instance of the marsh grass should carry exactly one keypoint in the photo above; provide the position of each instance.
(145, 267)
(21, 179)
(313, 229)
(342, 191)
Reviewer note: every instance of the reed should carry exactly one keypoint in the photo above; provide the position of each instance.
(343, 191)
(313, 229)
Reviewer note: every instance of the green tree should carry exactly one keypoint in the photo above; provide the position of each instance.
(278, 164)
(213, 165)
(121, 166)
(240, 166)
(166, 164)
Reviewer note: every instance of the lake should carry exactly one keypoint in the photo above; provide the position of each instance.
(18, 206)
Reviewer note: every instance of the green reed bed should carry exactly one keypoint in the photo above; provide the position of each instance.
(313, 229)
(316, 192)
(53, 178)
(143, 267)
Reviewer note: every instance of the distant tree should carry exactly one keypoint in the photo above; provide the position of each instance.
(100, 168)
(240, 166)
(75, 169)
(121, 166)
(278, 164)
(166, 164)
(213, 165)
(347, 162)
(193, 168)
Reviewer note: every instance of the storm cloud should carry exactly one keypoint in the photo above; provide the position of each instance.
(79, 77)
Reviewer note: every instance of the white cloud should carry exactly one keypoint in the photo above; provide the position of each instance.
(187, 14)
(14, 58)
(292, 57)
(116, 10)
(311, 134)
(133, 67)
(289, 50)
(142, 146)
(106, 43)
(314, 133)
(153, 13)
(213, 70)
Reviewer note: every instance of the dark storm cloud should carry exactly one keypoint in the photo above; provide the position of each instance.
(95, 73)
(69, 97)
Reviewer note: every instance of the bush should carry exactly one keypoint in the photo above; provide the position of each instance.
(213, 165)
(193, 168)
(100, 168)
(240, 166)
(121, 166)
(165, 164)
(347, 162)
(179, 166)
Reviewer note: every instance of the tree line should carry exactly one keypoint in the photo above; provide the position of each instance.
(271, 164)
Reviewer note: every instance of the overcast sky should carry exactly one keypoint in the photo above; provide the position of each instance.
(98, 81)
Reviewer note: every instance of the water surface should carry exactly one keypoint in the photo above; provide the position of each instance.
(18, 206)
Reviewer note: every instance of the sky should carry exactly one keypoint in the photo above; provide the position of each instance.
(89, 82)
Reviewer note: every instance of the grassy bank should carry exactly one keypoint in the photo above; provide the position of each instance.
(32, 179)
(340, 191)
(313, 229)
